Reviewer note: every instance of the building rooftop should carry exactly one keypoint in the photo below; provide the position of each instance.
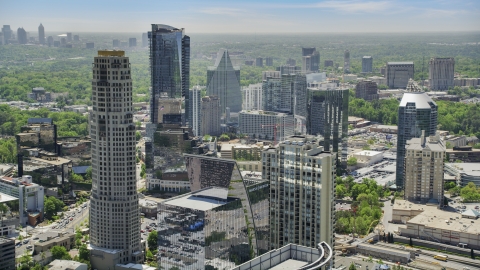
(260, 112)
(289, 265)
(400, 63)
(197, 200)
(421, 100)
(64, 265)
(466, 168)
(80, 169)
(6, 198)
(368, 153)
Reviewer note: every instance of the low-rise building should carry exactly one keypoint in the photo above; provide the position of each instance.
(384, 129)
(266, 125)
(463, 153)
(66, 240)
(456, 141)
(40, 95)
(10, 217)
(66, 265)
(367, 158)
(30, 197)
(464, 173)
(148, 208)
(429, 223)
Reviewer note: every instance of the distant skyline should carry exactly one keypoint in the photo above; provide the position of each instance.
(246, 16)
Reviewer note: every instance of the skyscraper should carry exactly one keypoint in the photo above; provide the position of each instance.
(310, 60)
(278, 93)
(269, 61)
(144, 39)
(398, 74)
(259, 62)
(367, 64)
(132, 42)
(300, 95)
(366, 90)
(302, 192)
(252, 97)
(50, 41)
(21, 36)
(195, 110)
(346, 61)
(210, 115)
(424, 161)
(441, 72)
(7, 33)
(114, 210)
(169, 65)
(328, 116)
(41, 34)
(223, 80)
(69, 37)
(417, 112)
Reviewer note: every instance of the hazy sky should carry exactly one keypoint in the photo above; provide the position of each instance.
(243, 16)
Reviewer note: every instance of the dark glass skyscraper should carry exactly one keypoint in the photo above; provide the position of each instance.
(41, 34)
(223, 80)
(169, 66)
(417, 112)
(328, 116)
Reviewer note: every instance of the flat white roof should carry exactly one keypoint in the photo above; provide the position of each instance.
(368, 153)
(289, 265)
(6, 198)
(197, 203)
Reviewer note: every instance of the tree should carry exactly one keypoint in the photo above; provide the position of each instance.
(138, 136)
(224, 137)
(50, 209)
(341, 191)
(60, 253)
(149, 255)
(152, 240)
(449, 185)
(76, 178)
(84, 253)
(352, 267)
(352, 161)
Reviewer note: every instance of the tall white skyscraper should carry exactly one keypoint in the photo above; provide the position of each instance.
(252, 97)
(114, 209)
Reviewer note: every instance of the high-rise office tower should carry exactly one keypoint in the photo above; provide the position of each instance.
(7, 33)
(424, 161)
(328, 116)
(210, 116)
(300, 95)
(7, 253)
(63, 41)
(21, 36)
(195, 110)
(310, 60)
(41, 34)
(252, 97)
(269, 61)
(116, 43)
(367, 64)
(169, 65)
(114, 209)
(398, 74)
(144, 39)
(132, 42)
(417, 112)
(69, 37)
(278, 93)
(302, 192)
(259, 62)
(441, 72)
(366, 90)
(50, 41)
(223, 80)
(76, 38)
(346, 61)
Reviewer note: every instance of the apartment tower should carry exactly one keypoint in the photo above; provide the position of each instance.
(169, 66)
(398, 74)
(366, 90)
(302, 192)
(41, 34)
(114, 210)
(195, 110)
(210, 118)
(417, 112)
(441, 72)
(310, 60)
(424, 161)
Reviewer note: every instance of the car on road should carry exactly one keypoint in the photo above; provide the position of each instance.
(19, 244)
(26, 241)
(36, 238)
(29, 247)
(477, 207)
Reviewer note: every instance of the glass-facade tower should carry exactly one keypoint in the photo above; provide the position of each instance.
(417, 112)
(328, 116)
(169, 66)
